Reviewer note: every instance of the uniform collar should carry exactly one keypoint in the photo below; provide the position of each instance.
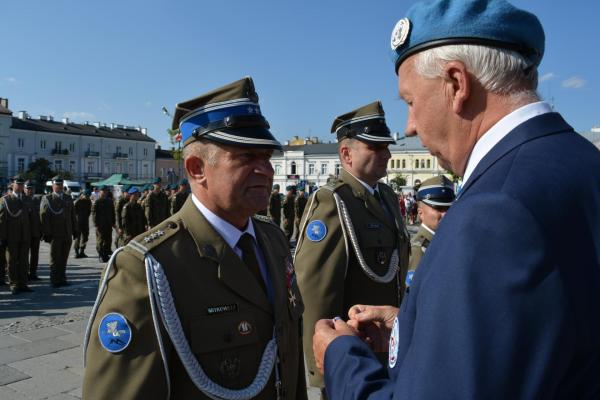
(428, 229)
(230, 233)
(370, 189)
(500, 129)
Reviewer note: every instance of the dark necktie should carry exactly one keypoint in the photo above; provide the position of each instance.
(381, 203)
(246, 244)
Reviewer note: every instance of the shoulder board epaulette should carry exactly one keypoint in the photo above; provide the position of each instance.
(333, 186)
(148, 240)
(262, 218)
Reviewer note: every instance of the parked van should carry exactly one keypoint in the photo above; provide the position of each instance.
(73, 188)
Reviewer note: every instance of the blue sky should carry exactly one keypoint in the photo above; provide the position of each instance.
(122, 61)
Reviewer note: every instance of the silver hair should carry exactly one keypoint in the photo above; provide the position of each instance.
(500, 71)
(203, 149)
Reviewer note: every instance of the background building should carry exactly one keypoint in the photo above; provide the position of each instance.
(167, 167)
(89, 152)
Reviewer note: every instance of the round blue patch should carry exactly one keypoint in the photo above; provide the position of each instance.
(114, 332)
(409, 277)
(316, 231)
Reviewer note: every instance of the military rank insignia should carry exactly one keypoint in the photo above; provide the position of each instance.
(114, 333)
(393, 345)
(290, 278)
(316, 231)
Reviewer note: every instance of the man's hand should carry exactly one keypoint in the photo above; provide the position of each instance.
(325, 331)
(374, 324)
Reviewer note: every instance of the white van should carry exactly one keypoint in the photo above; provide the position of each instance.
(73, 188)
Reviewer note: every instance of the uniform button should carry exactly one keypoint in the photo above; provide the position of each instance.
(172, 225)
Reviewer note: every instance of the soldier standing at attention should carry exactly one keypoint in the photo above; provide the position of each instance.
(288, 212)
(103, 214)
(59, 227)
(353, 246)
(434, 198)
(36, 228)
(234, 331)
(299, 206)
(123, 199)
(275, 205)
(83, 209)
(133, 219)
(157, 205)
(15, 232)
(181, 196)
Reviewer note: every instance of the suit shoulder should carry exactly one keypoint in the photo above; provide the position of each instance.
(155, 237)
(266, 223)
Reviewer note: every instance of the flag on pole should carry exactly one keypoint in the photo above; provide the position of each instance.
(178, 137)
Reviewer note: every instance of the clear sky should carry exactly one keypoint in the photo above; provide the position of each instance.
(122, 61)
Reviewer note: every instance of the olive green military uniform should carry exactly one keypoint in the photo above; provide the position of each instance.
(157, 207)
(178, 200)
(299, 206)
(275, 208)
(329, 275)
(226, 317)
(59, 225)
(288, 216)
(36, 232)
(103, 214)
(418, 245)
(120, 237)
(2, 263)
(133, 221)
(83, 209)
(15, 230)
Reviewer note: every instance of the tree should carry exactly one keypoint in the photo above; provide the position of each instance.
(397, 182)
(39, 171)
(173, 135)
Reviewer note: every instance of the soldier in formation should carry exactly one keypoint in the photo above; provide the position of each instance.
(181, 196)
(83, 209)
(352, 246)
(120, 203)
(133, 219)
(275, 205)
(34, 201)
(288, 212)
(299, 206)
(103, 214)
(157, 205)
(59, 227)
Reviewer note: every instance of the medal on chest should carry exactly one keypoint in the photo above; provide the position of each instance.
(290, 278)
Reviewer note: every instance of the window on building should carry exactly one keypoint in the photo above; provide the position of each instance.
(422, 163)
(90, 167)
(324, 169)
(403, 164)
(42, 144)
(21, 165)
(58, 145)
(145, 152)
(277, 169)
(72, 147)
(311, 169)
(337, 169)
(416, 164)
(392, 164)
(118, 150)
(107, 168)
(21, 142)
(428, 163)
(72, 166)
(293, 168)
(58, 166)
(131, 151)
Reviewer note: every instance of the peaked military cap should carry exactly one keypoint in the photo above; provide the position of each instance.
(366, 124)
(229, 115)
(493, 23)
(156, 180)
(29, 184)
(276, 186)
(18, 179)
(436, 191)
(57, 179)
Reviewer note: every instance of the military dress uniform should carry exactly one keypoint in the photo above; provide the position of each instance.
(180, 197)
(36, 231)
(133, 219)
(288, 214)
(15, 231)
(157, 206)
(59, 225)
(103, 215)
(83, 209)
(120, 203)
(180, 313)
(352, 248)
(275, 206)
(299, 206)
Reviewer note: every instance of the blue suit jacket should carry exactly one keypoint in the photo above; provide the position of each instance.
(506, 301)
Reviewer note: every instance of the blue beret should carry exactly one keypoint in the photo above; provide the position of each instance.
(229, 115)
(133, 190)
(156, 180)
(494, 23)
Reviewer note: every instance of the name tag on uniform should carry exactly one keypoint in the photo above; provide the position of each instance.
(225, 308)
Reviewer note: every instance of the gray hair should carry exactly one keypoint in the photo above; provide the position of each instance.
(203, 149)
(500, 71)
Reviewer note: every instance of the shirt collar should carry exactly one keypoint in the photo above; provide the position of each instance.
(500, 129)
(228, 232)
(366, 185)
(428, 229)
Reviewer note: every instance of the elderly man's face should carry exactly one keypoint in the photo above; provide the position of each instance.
(430, 116)
(240, 181)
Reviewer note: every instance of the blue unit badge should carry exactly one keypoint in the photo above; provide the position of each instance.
(409, 277)
(316, 231)
(114, 333)
(393, 345)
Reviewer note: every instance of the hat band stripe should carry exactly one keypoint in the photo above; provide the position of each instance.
(217, 106)
(205, 118)
(435, 193)
(243, 139)
(359, 119)
(375, 138)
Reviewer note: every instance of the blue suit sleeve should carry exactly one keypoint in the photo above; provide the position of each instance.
(487, 315)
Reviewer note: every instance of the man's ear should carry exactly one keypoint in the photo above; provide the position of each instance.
(346, 154)
(458, 81)
(196, 169)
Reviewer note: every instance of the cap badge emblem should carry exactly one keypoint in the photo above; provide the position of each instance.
(244, 328)
(400, 33)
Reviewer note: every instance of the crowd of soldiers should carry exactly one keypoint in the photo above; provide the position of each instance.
(27, 218)
(293, 204)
